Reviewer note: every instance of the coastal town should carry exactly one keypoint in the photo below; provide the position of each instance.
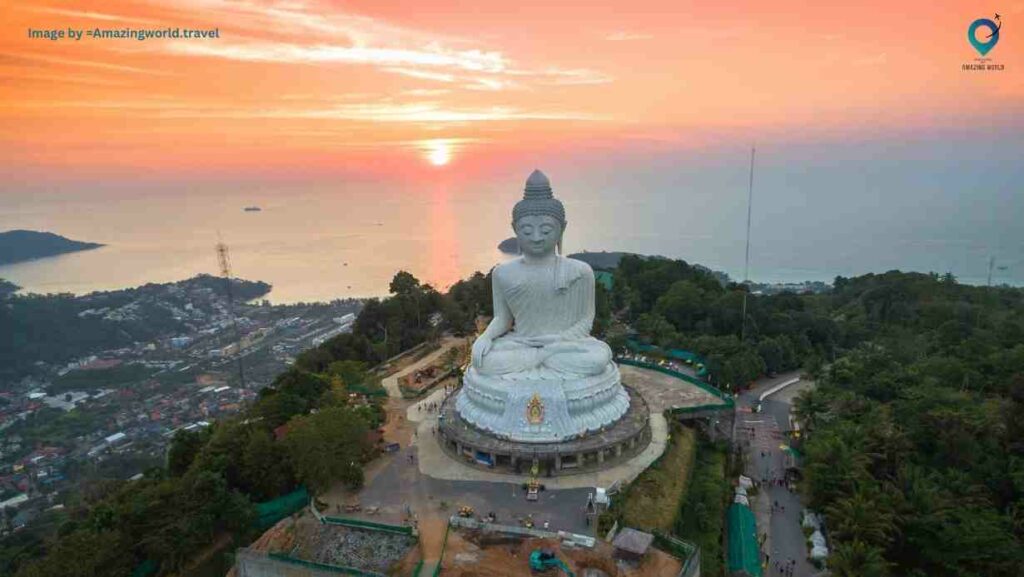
(112, 412)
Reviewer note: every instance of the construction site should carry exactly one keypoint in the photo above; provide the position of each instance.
(307, 544)
(310, 545)
(475, 549)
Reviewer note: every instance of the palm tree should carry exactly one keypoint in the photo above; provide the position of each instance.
(861, 518)
(809, 406)
(857, 559)
(835, 469)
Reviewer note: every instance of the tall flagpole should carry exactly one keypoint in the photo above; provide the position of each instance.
(746, 258)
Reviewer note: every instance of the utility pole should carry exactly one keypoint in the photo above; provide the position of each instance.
(225, 271)
(991, 263)
(746, 258)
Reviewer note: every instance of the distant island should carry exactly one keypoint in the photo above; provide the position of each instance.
(610, 260)
(7, 288)
(252, 209)
(509, 246)
(605, 260)
(22, 245)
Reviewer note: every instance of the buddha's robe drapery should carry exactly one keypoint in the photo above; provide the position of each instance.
(553, 308)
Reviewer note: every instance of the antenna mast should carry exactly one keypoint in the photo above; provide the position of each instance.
(225, 271)
(746, 258)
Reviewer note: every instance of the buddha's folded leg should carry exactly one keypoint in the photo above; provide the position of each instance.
(583, 357)
(508, 356)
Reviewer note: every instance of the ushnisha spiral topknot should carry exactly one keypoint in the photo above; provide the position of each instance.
(539, 200)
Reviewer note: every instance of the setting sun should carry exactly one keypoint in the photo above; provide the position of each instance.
(438, 152)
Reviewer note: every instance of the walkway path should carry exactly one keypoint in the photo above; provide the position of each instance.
(390, 382)
(763, 434)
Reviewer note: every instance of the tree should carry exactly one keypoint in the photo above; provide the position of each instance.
(834, 470)
(185, 446)
(654, 328)
(328, 447)
(857, 559)
(86, 553)
(863, 518)
(683, 305)
(350, 372)
(404, 284)
(277, 408)
(266, 469)
(772, 353)
(809, 406)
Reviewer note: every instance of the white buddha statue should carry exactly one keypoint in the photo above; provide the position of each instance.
(536, 373)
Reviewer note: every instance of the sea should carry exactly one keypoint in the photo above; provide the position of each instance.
(813, 216)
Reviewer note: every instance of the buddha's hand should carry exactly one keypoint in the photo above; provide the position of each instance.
(541, 340)
(480, 348)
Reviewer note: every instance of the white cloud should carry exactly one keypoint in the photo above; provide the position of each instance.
(473, 60)
(490, 84)
(324, 34)
(86, 63)
(427, 91)
(423, 74)
(425, 112)
(624, 36)
(90, 14)
(382, 112)
(558, 76)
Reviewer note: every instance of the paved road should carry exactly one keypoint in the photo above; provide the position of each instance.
(401, 482)
(777, 509)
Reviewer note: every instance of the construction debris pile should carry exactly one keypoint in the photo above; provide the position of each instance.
(348, 547)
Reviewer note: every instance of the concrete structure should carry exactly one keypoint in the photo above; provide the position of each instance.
(537, 376)
(539, 387)
(631, 545)
(625, 439)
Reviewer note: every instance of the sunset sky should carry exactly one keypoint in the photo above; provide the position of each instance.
(410, 87)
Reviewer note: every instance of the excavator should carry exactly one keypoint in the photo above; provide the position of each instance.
(541, 560)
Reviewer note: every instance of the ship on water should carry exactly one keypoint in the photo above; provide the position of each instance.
(252, 209)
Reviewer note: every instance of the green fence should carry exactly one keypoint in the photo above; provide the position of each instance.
(683, 550)
(361, 524)
(678, 354)
(270, 512)
(339, 569)
(364, 389)
(444, 545)
(146, 568)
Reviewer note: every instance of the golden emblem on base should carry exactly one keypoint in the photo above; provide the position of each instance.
(535, 410)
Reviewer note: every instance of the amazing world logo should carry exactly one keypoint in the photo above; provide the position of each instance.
(989, 36)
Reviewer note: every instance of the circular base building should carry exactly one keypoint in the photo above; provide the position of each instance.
(595, 450)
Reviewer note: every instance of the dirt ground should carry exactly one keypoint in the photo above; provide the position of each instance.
(471, 554)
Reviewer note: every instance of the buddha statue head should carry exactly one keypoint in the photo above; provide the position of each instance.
(539, 218)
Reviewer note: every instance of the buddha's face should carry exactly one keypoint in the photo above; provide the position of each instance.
(538, 234)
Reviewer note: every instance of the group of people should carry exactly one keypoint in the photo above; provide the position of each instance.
(770, 478)
(431, 407)
(785, 568)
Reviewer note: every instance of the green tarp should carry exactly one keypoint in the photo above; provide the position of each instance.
(271, 512)
(744, 552)
(605, 279)
(678, 354)
(147, 568)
